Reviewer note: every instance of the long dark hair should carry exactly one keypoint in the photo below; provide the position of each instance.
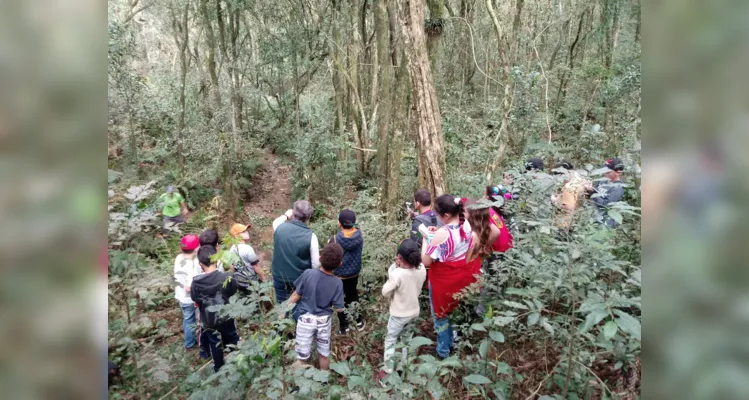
(480, 221)
(449, 204)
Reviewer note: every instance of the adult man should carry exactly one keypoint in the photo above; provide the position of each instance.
(609, 190)
(174, 208)
(295, 249)
(213, 288)
(425, 216)
(248, 259)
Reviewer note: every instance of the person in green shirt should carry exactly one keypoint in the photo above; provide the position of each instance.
(174, 208)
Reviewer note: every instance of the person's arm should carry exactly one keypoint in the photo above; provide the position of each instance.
(314, 251)
(425, 259)
(250, 258)
(188, 279)
(392, 283)
(194, 295)
(295, 297)
(280, 220)
(338, 298)
(231, 286)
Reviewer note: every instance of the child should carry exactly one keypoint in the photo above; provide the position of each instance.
(210, 289)
(248, 259)
(185, 268)
(405, 279)
(350, 238)
(316, 291)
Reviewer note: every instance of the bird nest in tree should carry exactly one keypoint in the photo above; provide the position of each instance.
(433, 27)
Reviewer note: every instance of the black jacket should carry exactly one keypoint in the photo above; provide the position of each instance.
(208, 290)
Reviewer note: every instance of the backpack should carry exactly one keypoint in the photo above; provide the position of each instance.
(427, 221)
(212, 319)
(243, 273)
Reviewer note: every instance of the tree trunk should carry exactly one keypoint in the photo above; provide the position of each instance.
(181, 37)
(434, 26)
(469, 66)
(385, 73)
(339, 85)
(400, 126)
(211, 58)
(428, 118)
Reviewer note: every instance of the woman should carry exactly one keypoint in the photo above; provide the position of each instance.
(174, 208)
(450, 269)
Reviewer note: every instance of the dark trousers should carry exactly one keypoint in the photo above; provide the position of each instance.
(350, 295)
(222, 335)
(283, 292)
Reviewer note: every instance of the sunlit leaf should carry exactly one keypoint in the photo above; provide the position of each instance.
(477, 379)
(484, 348)
(609, 330)
(497, 336)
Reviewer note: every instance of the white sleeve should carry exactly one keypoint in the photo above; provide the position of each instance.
(192, 273)
(278, 221)
(314, 251)
(179, 277)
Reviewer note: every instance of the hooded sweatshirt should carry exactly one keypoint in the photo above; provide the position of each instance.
(208, 290)
(352, 244)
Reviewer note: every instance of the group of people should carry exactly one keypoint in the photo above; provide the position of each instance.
(451, 238)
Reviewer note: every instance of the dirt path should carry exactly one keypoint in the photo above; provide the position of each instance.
(269, 196)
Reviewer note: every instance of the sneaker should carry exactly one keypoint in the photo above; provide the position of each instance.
(342, 332)
(361, 325)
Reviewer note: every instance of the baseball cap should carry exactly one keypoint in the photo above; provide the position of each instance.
(189, 242)
(237, 229)
(347, 218)
(534, 163)
(170, 189)
(564, 164)
(614, 164)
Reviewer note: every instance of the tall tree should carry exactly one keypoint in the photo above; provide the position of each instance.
(434, 26)
(401, 114)
(384, 72)
(428, 120)
(181, 36)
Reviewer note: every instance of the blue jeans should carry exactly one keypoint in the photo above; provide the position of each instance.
(188, 324)
(283, 292)
(444, 330)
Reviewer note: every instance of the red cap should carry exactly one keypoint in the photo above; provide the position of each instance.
(189, 242)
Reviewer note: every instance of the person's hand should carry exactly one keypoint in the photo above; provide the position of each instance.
(411, 214)
(433, 229)
(589, 186)
(289, 213)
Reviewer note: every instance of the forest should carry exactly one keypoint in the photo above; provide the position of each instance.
(245, 106)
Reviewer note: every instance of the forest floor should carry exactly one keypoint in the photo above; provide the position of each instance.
(269, 197)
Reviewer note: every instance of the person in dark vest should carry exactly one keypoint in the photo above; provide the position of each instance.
(350, 238)
(295, 250)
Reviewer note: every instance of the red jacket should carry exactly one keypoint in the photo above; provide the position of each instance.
(504, 241)
(449, 278)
